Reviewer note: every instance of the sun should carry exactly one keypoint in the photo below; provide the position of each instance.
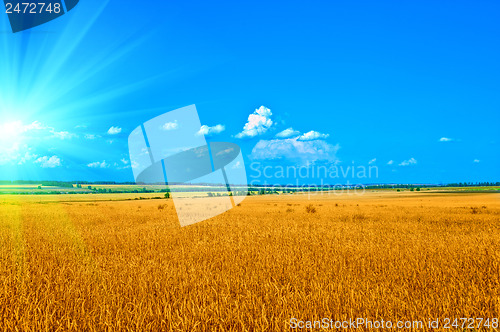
(11, 131)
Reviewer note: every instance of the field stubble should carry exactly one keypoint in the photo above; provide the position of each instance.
(127, 265)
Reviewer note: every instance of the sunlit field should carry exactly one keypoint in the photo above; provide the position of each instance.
(73, 262)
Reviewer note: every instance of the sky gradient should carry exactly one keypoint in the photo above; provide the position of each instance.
(411, 88)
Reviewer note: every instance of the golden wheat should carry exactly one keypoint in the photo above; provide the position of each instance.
(127, 265)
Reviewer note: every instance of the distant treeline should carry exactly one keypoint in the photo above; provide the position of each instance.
(472, 184)
(41, 183)
(79, 184)
(63, 183)
(410, 186)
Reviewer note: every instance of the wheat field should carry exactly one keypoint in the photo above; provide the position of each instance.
(84, 265)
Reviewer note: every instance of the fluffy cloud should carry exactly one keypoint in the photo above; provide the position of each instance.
(390, 162)
(372, 161)
(91, 136)
(287, 133)
(411, 161)
(312, 135)
(46, 162)
(295, 150)
(445, 139)
(206, 130)
(10, 153)
(27, 157)
(258, 123)
(114, 130)
(97, 164)
(36, 130)
(17, 128)
(134, 164)
(477, 161)
(123, 164)
(63, 134)
(35, 125)
(14, 153)
(170, 126)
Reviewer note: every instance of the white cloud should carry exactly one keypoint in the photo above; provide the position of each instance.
(411, 161)
(372, 161)
(15, 139)
(477, 160)
(35, 125)
(15, 153)
(27, 157)
(97, 164)
(134, 164)
(390, 162)
(170, 125)
(46, 162)
(206, 130)
(258, 123)
(10, 153)
(312, 135)
(445, 139)
(114, 130)
(287, 133)
(91, 136)
(16, 129)
(236, 165)
(293, 149)
(62, 134)
(125, 164)
(224, 152)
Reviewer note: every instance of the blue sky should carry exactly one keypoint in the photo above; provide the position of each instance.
(411, 88)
